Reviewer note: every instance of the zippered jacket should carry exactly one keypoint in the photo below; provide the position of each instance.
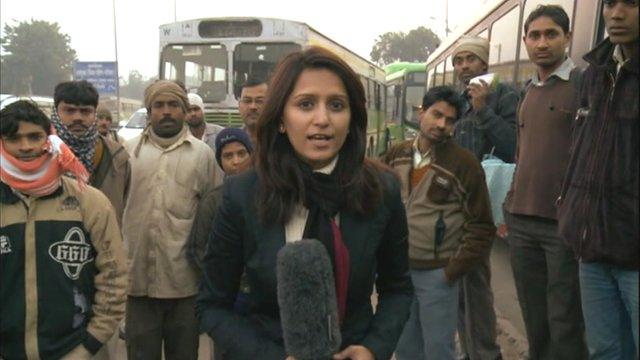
(598, 206)
(448, 212)
(62, 272)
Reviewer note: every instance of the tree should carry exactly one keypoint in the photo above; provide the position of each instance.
(38, 56)
(133, 88)
(398, 46)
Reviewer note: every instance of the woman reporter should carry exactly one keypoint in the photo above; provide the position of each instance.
(311, 181)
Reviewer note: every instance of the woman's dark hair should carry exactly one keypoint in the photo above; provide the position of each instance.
(76, 92)
(281, 171)
(446, 94)
(22, 110)
(554, 12)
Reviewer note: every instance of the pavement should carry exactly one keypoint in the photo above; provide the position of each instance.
(510, 326)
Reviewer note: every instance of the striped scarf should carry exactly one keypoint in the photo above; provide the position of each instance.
(84, 147)
(41, 176)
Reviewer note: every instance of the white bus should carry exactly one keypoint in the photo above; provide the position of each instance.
(214, 57)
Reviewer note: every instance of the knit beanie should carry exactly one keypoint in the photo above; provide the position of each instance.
(196, 100)
(165, 87)
(229, 135)
(476, 45)
(103, 112)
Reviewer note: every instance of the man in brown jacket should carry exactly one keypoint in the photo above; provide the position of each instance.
(450, 223)
(544, 269)
(75, 120)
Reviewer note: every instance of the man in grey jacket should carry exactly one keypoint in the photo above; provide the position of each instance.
(487, 126)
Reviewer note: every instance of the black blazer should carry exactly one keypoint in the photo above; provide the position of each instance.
(378, 252)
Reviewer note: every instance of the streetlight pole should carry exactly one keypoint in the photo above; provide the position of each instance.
(115, 42)
(446, 18)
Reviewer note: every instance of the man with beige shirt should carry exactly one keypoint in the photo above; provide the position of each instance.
(171, 169)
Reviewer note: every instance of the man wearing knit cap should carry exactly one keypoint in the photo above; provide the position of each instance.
(104, 122)
(171, 171)
(487, 126)
(203, 130)
(233, 154)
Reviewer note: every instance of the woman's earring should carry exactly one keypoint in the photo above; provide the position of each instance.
(281, 129)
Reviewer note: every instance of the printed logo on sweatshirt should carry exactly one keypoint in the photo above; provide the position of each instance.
(69, 203)
(5, 245)
(73, 252)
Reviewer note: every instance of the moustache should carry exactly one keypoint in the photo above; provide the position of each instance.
(78, 124)
(168, 120)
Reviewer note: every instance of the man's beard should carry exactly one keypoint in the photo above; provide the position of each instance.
(197, 124)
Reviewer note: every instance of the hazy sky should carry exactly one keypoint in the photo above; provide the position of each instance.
(354, 24)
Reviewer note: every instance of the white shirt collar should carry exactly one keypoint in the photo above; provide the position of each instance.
(329, 168)
(420, 159)
(563, 72)
(618, 57)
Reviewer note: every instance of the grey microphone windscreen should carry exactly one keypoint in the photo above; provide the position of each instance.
(307, 300)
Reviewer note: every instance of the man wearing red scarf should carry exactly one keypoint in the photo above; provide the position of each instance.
(62, 267)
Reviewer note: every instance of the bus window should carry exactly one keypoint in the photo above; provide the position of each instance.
(201, 67)
(390, 101)
(527, 69)
(413, 100)
(170, 71)
(257, 60)
(372, 93)
(378, 94)
(430, 79)
(439, 76)
(449, 76)
(365, 86)
(504, 41)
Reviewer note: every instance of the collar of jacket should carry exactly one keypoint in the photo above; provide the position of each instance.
(115, 149)
(7, 196)
(602, 56)
(406, 149)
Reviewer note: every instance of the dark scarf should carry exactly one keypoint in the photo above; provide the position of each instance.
(324, 198)
(84, 147)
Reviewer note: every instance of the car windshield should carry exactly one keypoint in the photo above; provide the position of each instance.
(138, 120)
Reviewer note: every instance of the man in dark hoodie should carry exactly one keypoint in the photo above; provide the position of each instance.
(598, 205)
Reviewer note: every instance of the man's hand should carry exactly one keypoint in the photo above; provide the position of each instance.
(290, 358)
(478, 94)
(354, 352)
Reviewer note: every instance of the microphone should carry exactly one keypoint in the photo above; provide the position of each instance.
(307, 300)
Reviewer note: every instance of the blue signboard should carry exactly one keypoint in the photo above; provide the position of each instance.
(102, 75)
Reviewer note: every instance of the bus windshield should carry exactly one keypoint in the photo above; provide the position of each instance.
(257, 60)
(202, 68)
(413, 101)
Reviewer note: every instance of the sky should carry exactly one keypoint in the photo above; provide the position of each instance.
(354, 24)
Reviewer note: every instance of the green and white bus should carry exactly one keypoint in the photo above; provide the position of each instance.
(215, 56)
(405, 88)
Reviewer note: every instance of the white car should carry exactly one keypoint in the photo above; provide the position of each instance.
(44, 103)
(136, 123)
